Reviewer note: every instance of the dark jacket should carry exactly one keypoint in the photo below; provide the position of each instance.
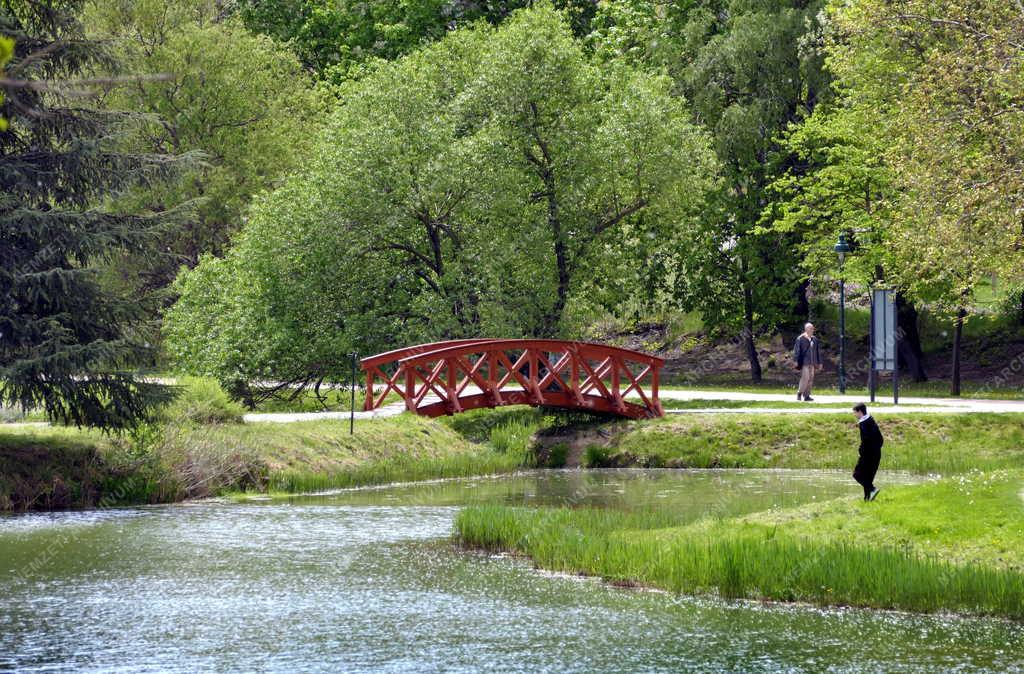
(806, 351)
(870, 438)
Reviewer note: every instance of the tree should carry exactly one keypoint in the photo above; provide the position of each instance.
(749, 69)
(240, 100)
(66, 341)
(838, 182)
(458, 191)
(593, 150)
(954, 137)
(336, 37)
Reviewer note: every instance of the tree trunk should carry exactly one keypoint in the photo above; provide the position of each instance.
(909, 344)
(958, 333)
(801, 308)
(1020, 316)
(561, 263)
(561, 259)
(748, 327)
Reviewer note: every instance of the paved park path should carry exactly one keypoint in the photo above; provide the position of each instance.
(908, 405)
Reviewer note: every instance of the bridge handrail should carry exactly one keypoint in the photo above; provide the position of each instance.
(451, 370)
(554, 345)
(397, 354)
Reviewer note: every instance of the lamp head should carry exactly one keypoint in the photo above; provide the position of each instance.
(842, 248)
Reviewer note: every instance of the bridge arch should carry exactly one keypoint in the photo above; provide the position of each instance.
(458, 375)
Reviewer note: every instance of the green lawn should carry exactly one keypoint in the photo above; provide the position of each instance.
(925, 443)
(976, 518)
(702, 403)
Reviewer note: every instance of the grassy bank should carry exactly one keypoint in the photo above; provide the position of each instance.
(956, 544)
(925, 443)
(53, 467)
(47, 468)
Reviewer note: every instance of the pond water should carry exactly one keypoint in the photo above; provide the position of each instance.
(368, 580)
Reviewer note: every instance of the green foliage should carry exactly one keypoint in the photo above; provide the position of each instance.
(749, 70)
(838, 183)
(6, 53)
(935, 217)
(67, 342)
(596, 456)
(480, 425)
(336, 37)
(240, 101)
(554, 456)
(469, 188)
(512, 437)
(201, 400)
(914, 158)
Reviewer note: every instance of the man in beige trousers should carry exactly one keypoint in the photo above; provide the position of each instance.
(807, 354)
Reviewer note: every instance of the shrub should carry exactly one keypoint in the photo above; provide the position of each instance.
(202, 401)
(557, 455)
(597, 456)
(512, 437)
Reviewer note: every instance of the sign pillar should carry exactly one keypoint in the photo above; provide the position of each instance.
(884, 352)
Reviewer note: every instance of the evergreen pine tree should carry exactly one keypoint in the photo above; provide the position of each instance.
(68, 343)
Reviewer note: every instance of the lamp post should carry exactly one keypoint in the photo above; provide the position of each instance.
(842, 248)
(352, 382)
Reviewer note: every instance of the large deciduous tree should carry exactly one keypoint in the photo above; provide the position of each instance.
(66, 341)
(838, 182)
(461, 190)
(241, 100)
(750, 69)
(587, 148)
(931, 120)
(336, 37)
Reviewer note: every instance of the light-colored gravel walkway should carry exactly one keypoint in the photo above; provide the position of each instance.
(908, 405)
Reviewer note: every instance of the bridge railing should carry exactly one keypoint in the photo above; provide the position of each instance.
(450, 377)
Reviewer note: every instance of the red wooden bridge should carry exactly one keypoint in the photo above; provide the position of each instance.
(464, 374)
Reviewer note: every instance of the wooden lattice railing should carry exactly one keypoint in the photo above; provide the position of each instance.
(450, 377)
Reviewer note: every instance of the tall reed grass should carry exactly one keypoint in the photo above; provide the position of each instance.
(612, 545)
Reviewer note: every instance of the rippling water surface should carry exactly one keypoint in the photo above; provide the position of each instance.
(367, 580)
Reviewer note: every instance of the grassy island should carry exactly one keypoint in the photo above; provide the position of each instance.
(955, 544)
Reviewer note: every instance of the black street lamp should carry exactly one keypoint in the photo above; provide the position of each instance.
(352, 382)
(842, 248)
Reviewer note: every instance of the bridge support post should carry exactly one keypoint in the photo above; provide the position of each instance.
(410, 389)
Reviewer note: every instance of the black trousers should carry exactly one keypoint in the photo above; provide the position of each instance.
(865, 471)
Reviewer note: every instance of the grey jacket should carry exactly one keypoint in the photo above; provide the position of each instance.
(807, 351)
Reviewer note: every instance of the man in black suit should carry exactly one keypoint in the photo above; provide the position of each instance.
(870, 451)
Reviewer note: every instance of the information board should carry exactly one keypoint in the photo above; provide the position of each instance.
(883, 330)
